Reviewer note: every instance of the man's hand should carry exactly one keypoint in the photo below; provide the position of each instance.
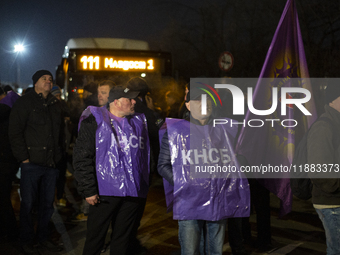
(26, 161)
(93, 200)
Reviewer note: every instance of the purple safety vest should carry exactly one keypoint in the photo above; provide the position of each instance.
(208, 198)
(122, 153)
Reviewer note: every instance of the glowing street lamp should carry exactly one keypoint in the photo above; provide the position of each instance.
(18, 48)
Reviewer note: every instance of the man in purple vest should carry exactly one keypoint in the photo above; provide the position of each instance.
(111, 161)
(201, 203)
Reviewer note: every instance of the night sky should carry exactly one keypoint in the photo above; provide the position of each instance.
(45, 26)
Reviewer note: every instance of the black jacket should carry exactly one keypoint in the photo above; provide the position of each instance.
(84, 158)
(8, 163)
(35, 129)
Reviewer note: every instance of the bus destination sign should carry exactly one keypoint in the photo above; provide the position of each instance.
(112, 63)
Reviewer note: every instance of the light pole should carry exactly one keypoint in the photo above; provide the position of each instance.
(18, 48)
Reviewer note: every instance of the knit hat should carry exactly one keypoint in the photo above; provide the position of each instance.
(55, 90)
(332, 92)
(40, 73)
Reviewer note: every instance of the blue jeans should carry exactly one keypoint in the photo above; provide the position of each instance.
(37, 187)
(201, 237)
(330, 218)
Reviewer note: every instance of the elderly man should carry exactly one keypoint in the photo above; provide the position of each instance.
(111, 160)
(35, 137)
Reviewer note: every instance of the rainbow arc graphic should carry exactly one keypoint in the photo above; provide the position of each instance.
(205, 89)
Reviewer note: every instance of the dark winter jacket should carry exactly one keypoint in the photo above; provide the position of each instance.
(8, 163)
(35, 129)
(326, 191)
(84, 160)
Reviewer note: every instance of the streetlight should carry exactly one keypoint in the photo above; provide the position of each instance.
(18, 48)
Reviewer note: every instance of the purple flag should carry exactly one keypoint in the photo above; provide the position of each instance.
(275, 145)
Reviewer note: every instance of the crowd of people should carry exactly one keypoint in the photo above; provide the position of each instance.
(119, 138)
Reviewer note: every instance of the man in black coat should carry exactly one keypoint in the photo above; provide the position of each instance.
(8, 169)
(35, 137)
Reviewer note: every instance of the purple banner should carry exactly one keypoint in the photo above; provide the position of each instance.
(268, 145)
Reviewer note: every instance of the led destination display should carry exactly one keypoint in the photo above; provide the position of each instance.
(119, 63)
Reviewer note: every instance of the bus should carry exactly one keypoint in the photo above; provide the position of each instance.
(87, 60)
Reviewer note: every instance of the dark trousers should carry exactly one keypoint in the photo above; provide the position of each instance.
(124, 214)
(62, 165)
(37, 184)
(261, 200)
(8, 223)
(135, 244)
(235, 235)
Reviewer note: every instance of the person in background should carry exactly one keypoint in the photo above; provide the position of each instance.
(35, 131)
(27, 90)
(172, 104)
(62, 165)
(7, 88)
(90, 94)
(104, 91)
(8, 168)
(2, 93)
(183, 112)
(144, 104)
(111, 161)
(321, 152)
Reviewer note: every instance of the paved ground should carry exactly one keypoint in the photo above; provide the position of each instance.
(300, 232)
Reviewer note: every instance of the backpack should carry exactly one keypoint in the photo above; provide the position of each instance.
(300, 183)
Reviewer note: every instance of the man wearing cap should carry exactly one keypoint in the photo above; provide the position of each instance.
(35, 137)
(322, 138)
(201, 201)
(111, 162)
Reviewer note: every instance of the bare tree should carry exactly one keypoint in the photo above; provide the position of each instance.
(198, 35)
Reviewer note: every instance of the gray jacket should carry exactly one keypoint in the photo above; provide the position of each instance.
(326, 191)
